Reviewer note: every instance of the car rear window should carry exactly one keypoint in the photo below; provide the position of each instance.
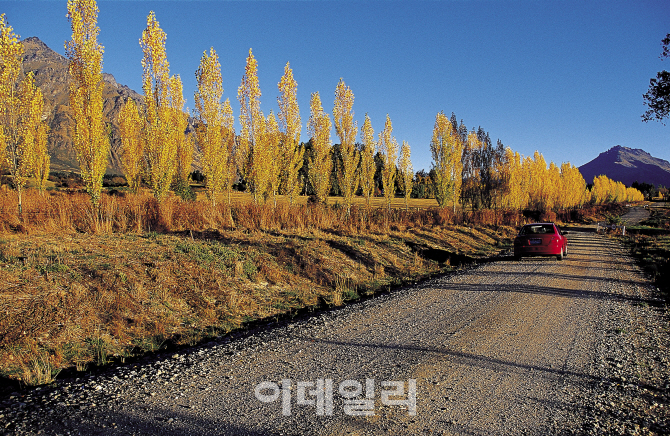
(537, 229)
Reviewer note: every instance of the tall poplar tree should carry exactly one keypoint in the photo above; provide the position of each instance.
(271, 160)
(90, 139)
(184, 141)
(321, 162)
(23, 134)
(346, 129)
(252, 122)
(21, 131)
(538, 190)
(406, 171)
(162, 96)
(446, 149)
(215, 131)
(368, 166)
(42, 158)
(132, 144)
(388, 147)
(292, 154)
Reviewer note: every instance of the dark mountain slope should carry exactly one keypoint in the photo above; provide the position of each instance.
(50, 69)
(628, 165)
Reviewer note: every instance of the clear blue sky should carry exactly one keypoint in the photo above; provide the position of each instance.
(564, 77)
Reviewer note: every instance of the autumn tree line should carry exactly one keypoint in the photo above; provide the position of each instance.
(267, 156)
(469, 170)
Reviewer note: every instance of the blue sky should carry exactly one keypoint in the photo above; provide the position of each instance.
(562, 77)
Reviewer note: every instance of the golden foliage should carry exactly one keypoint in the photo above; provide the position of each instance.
(179, 124)
(164, 121)
(252, 122)
(320, 163)
(130, 126)
(23, 134)
(606, 190)
(90, 139)
(406, 171)
(368, 166)
(346, 129)
(266, 163)
(292, 154)
(42, 158)
(447, 149)
(22, 151)
(215, 131)
(388, 147)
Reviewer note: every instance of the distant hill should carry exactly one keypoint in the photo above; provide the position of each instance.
(50, 69)
(628, 165)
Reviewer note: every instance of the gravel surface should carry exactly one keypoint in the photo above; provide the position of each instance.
(536, 347)
(635, 215)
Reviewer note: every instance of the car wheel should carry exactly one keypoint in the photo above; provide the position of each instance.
(565, 252)
(560, 256)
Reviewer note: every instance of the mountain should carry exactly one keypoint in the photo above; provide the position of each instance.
(50, 69)
(628, 165)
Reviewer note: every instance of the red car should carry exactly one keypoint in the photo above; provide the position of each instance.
(541, 239)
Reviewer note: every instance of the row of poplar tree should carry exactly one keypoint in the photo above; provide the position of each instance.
(468, 169)
(267, 154)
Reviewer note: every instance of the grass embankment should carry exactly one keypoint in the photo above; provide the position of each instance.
(650, 244)
(79, 288)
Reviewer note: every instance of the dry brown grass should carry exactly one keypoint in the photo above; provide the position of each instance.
(81, 287)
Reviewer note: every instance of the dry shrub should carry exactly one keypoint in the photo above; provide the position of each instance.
(548, 216)
(512, 218)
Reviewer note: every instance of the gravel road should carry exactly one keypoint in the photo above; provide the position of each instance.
(532, 347)
(635, 215)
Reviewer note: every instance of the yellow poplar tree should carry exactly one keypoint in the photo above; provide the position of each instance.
(230, 144)
(272, 164)
(519, 183)
(184, 142)
(320, 163)
(600, 189)
(21, 125)
(368, 166)
(11, 58)
(42, 158)
(17, 111)
(388, 147)
(292, 153)
(526, 171)
(538, 192)
(215, 131)
(346, 129)
(406, 171)
(574, 187)
(553, 186)
(132, 152)
(161, 99)
(633, 194)
(508, 197)
(619, 192)
(447, 150)
(252, 122)
(90, 139)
